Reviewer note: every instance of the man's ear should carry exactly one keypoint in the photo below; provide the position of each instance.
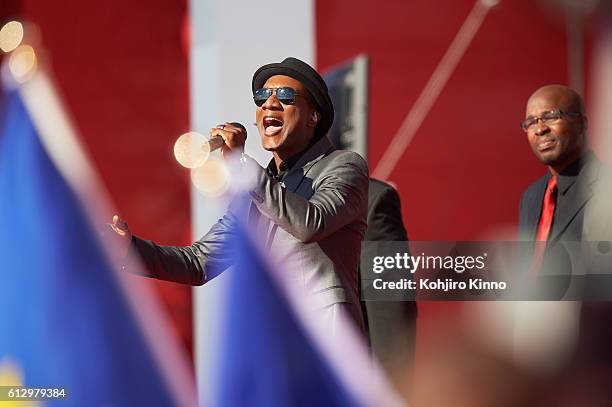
(314, 118)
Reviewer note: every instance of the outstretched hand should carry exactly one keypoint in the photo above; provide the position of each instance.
(121, 229)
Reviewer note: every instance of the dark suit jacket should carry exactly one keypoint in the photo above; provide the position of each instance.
(575, 189)
(582, 215)
(390, 325)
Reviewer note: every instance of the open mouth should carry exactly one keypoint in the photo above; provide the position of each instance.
(272, 125)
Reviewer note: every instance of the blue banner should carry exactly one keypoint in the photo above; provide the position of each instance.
(64, 320)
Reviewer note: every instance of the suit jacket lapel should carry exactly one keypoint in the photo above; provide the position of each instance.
(574, 199)
(292, 182)
(296, 175)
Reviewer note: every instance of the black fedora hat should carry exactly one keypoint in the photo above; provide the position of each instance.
(311, 80)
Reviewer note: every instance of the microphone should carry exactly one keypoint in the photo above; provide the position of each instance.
(192, 149)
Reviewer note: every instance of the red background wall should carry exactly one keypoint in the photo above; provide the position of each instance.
(464, 171)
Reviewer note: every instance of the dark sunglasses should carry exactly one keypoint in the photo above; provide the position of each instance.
(285, 94)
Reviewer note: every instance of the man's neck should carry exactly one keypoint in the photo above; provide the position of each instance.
(288, 159)
(278, 161)
(280, 157)
(570, 168)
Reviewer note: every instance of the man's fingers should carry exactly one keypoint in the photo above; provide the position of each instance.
(217, 132)
(119, 225)
(227, 129)
(233, 136)
(120, 222)
(117, 230)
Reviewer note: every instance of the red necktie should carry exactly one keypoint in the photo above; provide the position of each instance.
(545, 224)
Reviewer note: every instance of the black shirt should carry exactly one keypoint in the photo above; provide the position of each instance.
(285, 166)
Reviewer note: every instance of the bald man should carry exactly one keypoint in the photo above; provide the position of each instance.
(552, 208)
(571, 203)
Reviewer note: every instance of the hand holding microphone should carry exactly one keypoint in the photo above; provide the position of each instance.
(192, 149)
(230, 137)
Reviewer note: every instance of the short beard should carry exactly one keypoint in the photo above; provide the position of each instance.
(548, 160)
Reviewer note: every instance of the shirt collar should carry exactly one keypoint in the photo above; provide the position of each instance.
(285, 166)
(288, 164)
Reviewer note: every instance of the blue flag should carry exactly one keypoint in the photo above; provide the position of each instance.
(267, 358)
(64, 321)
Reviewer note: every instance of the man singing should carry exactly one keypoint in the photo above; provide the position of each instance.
(311, 196)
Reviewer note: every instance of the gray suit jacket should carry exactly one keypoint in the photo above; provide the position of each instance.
(315, 218)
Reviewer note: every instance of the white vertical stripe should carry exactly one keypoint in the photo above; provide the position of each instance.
(230, 40)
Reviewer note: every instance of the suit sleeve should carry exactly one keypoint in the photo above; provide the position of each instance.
(195, 264)
(340, 197)
(391, 325)
(385, 218)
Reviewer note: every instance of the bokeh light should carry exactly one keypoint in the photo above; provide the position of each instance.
(211, 178)
(191, 150)
(11, 35)
(22, 63)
